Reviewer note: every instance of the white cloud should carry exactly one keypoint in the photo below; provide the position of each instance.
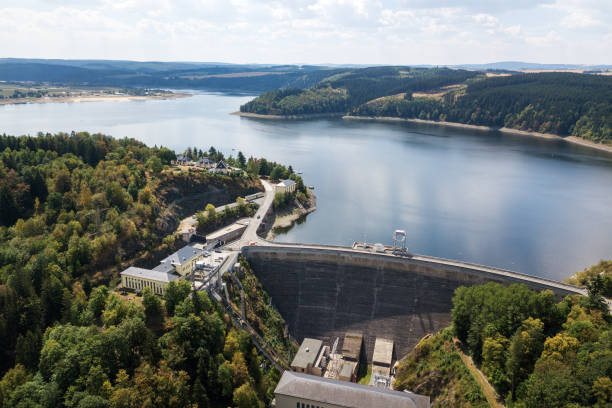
(579, 19)
(313, 31)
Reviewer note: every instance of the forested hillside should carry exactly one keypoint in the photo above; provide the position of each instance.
(74, 209)
(535, 351)
(558, 103)
(347, 90)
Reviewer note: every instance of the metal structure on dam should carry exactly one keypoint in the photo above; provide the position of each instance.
(324, 291)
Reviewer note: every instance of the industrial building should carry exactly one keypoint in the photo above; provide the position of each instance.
(297, 390)
(184, 259)
(229, 233)
(381, 363)
(139, 278)
(309, 357)
(173, 267)
(351, 356)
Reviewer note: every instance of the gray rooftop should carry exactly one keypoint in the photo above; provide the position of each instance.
(307, 353)
(383, 351)
(345, 394)
(346, 370)
(164, 267)
(149, 274)
(286, 183)
(183, 255)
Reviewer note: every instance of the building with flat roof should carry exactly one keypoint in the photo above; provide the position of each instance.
(139, 278)
(184, 259)
(351, 346)
(351, 356)
(381, 363)
(229, 233)
(383, 352)
(297, 390)
(307, 356)
(285, 186)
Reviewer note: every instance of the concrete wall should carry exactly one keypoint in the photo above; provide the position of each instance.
(323, 293)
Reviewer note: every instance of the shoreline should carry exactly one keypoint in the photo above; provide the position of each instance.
(569, 139)
(92, 98)
(284, 222)
(288, 117)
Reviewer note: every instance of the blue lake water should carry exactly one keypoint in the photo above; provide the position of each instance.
(535, 206)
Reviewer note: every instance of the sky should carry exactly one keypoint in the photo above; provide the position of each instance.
(402, 32)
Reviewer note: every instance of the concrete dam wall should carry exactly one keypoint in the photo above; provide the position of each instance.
(324, 292)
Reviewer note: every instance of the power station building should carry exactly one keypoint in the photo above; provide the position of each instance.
(297, 390)
(176, 266)
(138, 278)
(183, 261)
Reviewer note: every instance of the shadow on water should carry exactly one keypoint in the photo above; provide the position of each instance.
(284, 230)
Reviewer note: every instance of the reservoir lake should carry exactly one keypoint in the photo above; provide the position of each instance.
(542, 207)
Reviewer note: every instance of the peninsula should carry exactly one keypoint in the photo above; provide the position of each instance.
(19, 93)
(571, 106)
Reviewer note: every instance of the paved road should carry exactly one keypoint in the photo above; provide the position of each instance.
(250, 233)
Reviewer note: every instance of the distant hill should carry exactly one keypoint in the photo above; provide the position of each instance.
(560, 103)
(530, 66)
(186, 75)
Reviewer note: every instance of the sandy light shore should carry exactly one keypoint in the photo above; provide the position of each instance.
(550, 136)
(285, 117)
(92, 98)
(588, 143)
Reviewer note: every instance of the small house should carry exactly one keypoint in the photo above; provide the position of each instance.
(221, 168)
(285, 186)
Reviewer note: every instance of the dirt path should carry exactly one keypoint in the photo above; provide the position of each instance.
(487, 389)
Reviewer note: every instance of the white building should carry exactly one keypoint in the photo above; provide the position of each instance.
(183, 260)
(139, 278)
(285, 186)
(221, 168)
(297, 390)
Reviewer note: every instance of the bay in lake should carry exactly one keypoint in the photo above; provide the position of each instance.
(535, 206)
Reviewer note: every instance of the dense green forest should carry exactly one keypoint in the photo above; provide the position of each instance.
(559, 103)
(344, 91)
(75, 209)
(602, 269)
(538, 352)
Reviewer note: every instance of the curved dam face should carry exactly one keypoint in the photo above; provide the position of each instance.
(325, 292)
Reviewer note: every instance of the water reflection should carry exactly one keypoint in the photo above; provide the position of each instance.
(535, 206)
